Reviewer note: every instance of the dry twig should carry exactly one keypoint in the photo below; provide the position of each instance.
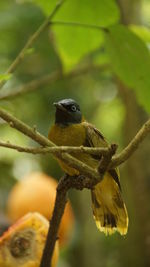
(132, 146)
(31, 40)
(42, 140)
(55, 149)
(89, 175)
(49, 147)
(49, 79)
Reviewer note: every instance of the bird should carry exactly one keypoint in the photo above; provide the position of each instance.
(71, 129)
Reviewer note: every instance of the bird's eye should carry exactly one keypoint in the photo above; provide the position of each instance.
(73, 108)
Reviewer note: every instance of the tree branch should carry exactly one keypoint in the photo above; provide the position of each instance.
(49, 79)
(43, 150)
(60, 203)
(66, 182)
(132, 146)
(92, 176)
(80, 183)
(31, 86)
(42, 140)
(59, 151)
(31, 40)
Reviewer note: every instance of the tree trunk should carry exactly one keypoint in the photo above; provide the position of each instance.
(136, 251)
(130, 11)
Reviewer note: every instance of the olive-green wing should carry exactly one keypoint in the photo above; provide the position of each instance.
(94, 138)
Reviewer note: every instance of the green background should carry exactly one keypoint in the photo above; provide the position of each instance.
(114, 95)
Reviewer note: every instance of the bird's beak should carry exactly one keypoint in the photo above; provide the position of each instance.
(59, 106)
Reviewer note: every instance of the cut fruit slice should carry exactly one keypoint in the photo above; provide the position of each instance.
(22, 245)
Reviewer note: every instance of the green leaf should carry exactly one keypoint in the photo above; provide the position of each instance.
(74, 42)
(102, 13)
(142, 32)
(130, 60)
(5, 77)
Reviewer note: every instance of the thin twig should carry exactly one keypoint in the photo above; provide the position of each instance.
(31, 86)
(93, 175)
(106, 159)
(31, 40)
(44, 150)
(73, 162)
(48, 79)
(42, 140)
(78, 24)
(132, 146)
(67, 182)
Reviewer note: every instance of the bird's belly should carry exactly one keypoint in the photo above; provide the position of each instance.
(67, 169)
(73, 135)
(85, 158)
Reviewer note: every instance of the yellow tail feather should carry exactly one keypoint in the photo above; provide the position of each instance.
(109, 210)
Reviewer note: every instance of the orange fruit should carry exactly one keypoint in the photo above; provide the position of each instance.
(36, 193)
(23, 243)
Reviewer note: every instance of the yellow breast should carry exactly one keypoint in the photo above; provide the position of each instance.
(73, 135)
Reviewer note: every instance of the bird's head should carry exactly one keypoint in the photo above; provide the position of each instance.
(67, 112)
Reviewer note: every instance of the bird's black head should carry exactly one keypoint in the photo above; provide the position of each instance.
(67, 112)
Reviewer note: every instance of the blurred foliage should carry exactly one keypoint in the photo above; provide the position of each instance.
(121, 52)
(133, 68)
(80, 41)
(142, 31)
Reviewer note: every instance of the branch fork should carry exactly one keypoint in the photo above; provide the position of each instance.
(89, 177)
(108, 161)
(66, 182)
